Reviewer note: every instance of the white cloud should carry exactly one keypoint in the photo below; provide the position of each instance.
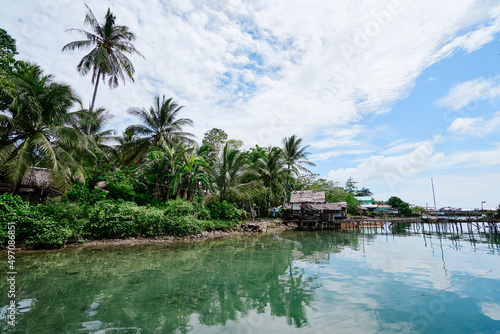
(262, 70)
(476, 127)
(390, 170)
(401, 146)
(405, 175)
(470, 92)
(335, 153)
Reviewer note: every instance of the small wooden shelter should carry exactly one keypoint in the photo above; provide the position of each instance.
(311, 208)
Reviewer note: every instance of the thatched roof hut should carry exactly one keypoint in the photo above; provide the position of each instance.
(36, 183)
(37, 178)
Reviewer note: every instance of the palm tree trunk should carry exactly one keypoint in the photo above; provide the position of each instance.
(95, 90)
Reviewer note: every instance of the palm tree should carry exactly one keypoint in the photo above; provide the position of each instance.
(106, 60)
(295, 157)
(193, 171)
(93, 124)
(35, 130)
(161, 127)
(161, 169)
(272, 173)
(229, 170)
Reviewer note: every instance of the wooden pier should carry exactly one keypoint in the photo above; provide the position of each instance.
(418, 225)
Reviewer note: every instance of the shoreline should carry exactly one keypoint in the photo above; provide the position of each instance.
(248, 228)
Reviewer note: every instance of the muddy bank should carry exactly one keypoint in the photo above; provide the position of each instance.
(244, 229)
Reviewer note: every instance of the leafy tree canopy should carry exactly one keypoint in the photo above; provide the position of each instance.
(364, 192)
(398, 203)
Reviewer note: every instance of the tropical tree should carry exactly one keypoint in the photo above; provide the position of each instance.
(194, 172)
(296, 156)
(106, 60)
(8, 64)
(228, 171)
(35, 132)
(161, 168)
(93, 125)
(161, 127)
(273, 173)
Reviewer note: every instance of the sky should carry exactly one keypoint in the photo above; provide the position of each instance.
(390, 93)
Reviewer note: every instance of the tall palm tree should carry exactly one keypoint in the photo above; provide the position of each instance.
(161, 127)
(35, 130)
(109, 43)
(93, 125)
(194, 171)
(295, 157)
(272, 173)
(161, 168)
(229, 170)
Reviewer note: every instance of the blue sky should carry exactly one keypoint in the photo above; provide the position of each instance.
(389, 92)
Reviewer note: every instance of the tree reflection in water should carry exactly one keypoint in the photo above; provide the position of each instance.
(165, 288)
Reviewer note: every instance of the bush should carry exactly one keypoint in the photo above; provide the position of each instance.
(178, 208)
(183, 225)
(73, 216)
(119, 186)
(45, 233)
(33, 225)
(12, 209)
(225, 211)
(82, 194)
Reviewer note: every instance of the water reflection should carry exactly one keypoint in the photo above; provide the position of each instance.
(294, 281)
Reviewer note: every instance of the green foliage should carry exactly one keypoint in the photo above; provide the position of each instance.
(10, 209)
(352, 203)
(364, 192)
(178, 208)
(350, 185)
(398, 203)
(119, 185)
(32, 226)
(225, 211)
(82, 194)
(47, 233)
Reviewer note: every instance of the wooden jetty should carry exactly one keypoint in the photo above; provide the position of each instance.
(312, 220)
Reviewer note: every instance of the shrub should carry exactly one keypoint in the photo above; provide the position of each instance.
(183, 225)
(178, 208)
(46, 233)
(119, 186)
(82, 194)
(71, 215)
(12, 209)
(225, 211)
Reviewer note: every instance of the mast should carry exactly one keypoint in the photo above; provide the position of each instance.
(434, 195)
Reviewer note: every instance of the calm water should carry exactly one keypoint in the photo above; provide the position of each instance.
(292, 282)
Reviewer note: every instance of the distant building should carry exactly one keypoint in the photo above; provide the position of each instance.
(366, 202)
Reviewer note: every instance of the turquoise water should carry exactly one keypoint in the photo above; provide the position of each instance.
(291, 282)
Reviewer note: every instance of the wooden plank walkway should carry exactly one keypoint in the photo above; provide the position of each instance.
(446, 224)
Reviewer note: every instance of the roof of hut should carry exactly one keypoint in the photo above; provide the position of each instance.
(329, 206)
(308, 196)
(35, 177)
(38, 178)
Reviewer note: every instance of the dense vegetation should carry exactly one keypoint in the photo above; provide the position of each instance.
(153, 179)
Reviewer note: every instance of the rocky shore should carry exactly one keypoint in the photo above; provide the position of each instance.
(248, 228)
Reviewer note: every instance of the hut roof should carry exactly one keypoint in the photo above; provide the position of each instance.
(38, 178)
(330, 206)
(308, 196)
